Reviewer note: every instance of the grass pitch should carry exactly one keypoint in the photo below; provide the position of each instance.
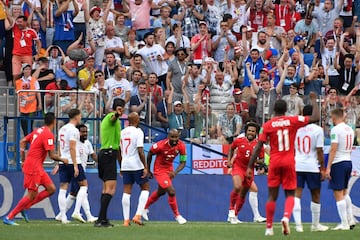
(52, 230)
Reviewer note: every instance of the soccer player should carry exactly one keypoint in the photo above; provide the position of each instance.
(310, 169)
(280, 133)
(237, 168)
(69, 138)
(86, 149)
(133, 168)
(166, 151)
(41, 143)
(110, 139)
(339, 168)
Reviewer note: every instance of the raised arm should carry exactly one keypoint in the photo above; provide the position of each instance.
(251, 78)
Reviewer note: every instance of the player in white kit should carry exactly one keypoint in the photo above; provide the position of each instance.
(86, 149)
(339, 168)
(69, 138)
(310, 169)
(133, 168)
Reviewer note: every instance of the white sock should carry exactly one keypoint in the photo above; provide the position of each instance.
(70, 199)
(126, 205)
(80, 199)
(86, 206)
(297, 211)
(341, 207)
(144, 195)
(315, 213)
(62, 203)
(349, 211)
(253, 200)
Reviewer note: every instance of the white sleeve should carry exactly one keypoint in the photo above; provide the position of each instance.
(334, 136)
(319, 138)
(140, 138)
(74, 135)
(90, 147)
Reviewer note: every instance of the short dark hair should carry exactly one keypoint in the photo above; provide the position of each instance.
(307, 110)
(295, 85)
(22, 17)
(349, 55)
(73, 113)
(49, 118)
(118, 102)
(81, 125)
(99, 71)
(337, 113)
(280, 107)
(136, 71)
(252, 124)
(137, 55)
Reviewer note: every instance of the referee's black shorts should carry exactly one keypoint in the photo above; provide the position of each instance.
(107, 164)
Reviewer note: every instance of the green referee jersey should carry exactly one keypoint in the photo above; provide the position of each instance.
(110, 132)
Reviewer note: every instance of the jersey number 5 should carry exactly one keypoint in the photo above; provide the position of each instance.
(62, 141)
(283, 140)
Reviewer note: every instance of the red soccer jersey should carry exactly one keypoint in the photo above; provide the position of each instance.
(281, 132)
(23, 41)
(165, 155)
(41, 141)
(244, 151)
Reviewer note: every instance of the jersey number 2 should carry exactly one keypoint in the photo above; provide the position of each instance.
(283, 140)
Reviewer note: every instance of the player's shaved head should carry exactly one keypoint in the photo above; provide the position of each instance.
(173, 137)
(173, 132)
(133, 119)
(280, 107)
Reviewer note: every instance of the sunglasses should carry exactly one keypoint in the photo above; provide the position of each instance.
(97, 76)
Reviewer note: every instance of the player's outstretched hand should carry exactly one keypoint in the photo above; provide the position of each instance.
(249, 173)
(172, 175)
(145, 173)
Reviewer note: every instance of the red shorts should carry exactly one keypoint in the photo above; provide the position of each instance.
(246, 182)
(284, 175)
(33, 181)
(163, 180)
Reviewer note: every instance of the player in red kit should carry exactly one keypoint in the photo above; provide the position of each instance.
(166, 151)
(280, 132)
(41, 144)
(238, 165)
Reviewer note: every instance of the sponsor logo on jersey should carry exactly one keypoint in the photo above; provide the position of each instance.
(50, 142)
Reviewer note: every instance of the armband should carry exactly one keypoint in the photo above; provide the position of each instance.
(182, 158)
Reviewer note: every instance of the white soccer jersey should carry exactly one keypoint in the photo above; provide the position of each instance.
(307, 139)
(66, 133)
(343, 135)
(131, 139)
(85, 149)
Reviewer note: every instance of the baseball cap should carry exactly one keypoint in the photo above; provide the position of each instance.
(264, 70)
(203, 23)
(177, 103)
(237, 91)
(141, 43)
(298, 38)
(96, 8)
(90, 57)
(291, 51)
(25, 65)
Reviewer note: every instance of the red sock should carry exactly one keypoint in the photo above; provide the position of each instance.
(233, 198)
(173, 205)
(239, 203)
(270, 210)
(153, 198)
(42, 195)
(19, 207)
(289, 205)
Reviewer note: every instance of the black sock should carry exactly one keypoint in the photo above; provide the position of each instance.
(105, 200)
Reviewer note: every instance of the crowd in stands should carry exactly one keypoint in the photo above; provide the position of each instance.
(204, 65)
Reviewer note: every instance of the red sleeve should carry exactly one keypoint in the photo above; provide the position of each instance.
(235, 143)
(300, 121)
(263, 134)
(155, 148)
(262, 152)
(182, 149)
(30, 135)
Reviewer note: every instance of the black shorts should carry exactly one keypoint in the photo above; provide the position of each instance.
(107, 164)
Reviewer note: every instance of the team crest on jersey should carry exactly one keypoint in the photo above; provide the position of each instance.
(242, 146)
(176, 151)
(301, 118)
(155, 146)
(50, 142)
(166, 182)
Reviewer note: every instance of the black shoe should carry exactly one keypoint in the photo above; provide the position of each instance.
(352, 227)
(103, 223)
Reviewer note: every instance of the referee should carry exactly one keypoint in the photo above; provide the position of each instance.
(110, 139)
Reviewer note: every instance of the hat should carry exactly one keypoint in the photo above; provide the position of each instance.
(43, 59)
(209, 60)
(25, 65)
(90, 57)
(203, 23)
(264, 70)
(177, 103)
(291, 51)
(298, 38)
(141, 43)
(67, 59)
(237, 91)
(95, 8)
(271, 52)
(181, 50)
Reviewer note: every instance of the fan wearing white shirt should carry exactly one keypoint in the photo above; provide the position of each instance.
(339, 168)
(309, 159)
(69, 138)
(133, 168)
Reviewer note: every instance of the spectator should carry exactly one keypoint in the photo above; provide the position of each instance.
(257, 15)
(212, 15)
(328, 55)
(29, 102)
(223, 45)
(229, 125)
(86, 75)
(121, 30)
(67, 71)
(347, 73)
(49, 9)
(52, 53)
(154, 57)
(137, 64)
(96, 29)
(63, 22)
(79, 19)
(276, 33)
(201, 45)
(136, 77)
(140, 16)
(262, 42)
(179, 40)
(317, 80)
(190, 16)
(40, 30)
(140, 104)
(205, 123)
(23, 40)
(238, 9)
(109, 65)
(155, 91)
(165, 21)
(49, 102)
(220, 92)
(170, 52)
(131, 47)
(307, 29)
(240, 105)
(43, 74)
(113, 44)
(295, 104)
(331, 102)
(256, 64)
(327, 14)
(192, 80)
(161, 111)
